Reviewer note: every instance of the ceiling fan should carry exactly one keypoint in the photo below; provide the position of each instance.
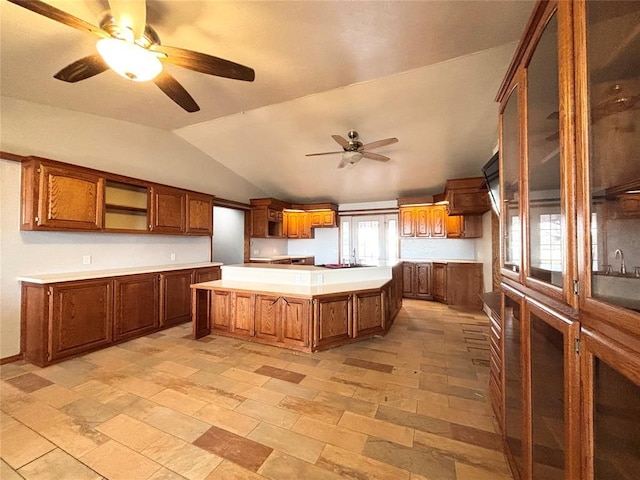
(354, 150)
(132, 49)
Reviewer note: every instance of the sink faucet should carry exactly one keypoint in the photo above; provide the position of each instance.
(623, 268)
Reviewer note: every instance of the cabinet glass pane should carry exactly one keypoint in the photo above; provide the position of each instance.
(545, 226)
(547, 400)
(513, 379)
(613, 61)
(510, 177)
(616, 425)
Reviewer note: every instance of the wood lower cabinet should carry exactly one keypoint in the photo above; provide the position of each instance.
(440, 287)
(65, 319)
(369, 313)
(220, 311)
(176, 297)
(80, 314)
(242, 310)
(334, 320)
(207, 274)
(283, 320)
(135, 305)
(417, 280)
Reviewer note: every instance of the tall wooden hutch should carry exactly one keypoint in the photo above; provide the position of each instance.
(565, 379)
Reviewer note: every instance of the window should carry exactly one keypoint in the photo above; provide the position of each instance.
(368, 239)
(551, 242)
(514, 246)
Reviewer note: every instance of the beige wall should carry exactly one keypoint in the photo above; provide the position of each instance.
(104, 144)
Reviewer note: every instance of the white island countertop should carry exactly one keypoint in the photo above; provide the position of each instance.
(46, 278)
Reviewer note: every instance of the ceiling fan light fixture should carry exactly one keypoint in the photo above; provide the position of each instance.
(129, 60)
(351, 157)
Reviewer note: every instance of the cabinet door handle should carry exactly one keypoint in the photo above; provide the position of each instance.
(275, 301)
(285, 301)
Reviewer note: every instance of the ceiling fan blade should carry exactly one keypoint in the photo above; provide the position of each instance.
(82, 69)
(341, 141)
(130, 14)
(53, 13)
(375, 156)
(323, 153)
(203, 63)
(176, 92)
(379, 143)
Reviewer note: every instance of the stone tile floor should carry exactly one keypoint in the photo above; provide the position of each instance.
(412, 405)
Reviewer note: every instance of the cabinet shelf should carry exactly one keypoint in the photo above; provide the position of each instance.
(125, 208)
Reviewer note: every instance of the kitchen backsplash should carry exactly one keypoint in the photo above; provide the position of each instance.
(267, 247)
(438, 249)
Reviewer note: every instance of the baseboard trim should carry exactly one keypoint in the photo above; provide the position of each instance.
(12, 358)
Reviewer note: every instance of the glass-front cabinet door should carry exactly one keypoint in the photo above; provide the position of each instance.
(609, 87)
(544, 208)
(554, 401)
(510, 185)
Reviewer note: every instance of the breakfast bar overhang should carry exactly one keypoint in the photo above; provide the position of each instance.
(299, 307)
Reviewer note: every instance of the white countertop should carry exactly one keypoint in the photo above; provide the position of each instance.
(116, 272)
(293, 290)
(278, 257)
(437, 260)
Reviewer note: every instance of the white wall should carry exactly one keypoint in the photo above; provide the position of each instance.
(438, 248)
(228, 235)
(104, 144)
(324, 246)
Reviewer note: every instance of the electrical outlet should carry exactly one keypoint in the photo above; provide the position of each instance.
(173, 257)
(86, 259)
(298, 279)
(320, 279)
(256, 251)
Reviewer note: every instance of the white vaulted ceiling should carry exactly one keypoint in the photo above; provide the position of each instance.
(425, 72)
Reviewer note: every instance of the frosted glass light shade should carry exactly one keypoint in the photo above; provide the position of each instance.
(129, 60)
(351, 157)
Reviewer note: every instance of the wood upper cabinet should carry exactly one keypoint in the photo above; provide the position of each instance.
(438, 221)
(64, 197)
(428, 221)
(176, 297)
(60, 198)
(199, 214)
(464, 226)
(81, 318)
(322, 218)
(168, 214)
(297, 225)
(467, 196)
(407, 222)
(136, 302)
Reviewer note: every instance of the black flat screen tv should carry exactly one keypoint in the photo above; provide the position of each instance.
(491, 173)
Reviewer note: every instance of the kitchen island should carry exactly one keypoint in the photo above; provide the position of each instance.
(299, 307)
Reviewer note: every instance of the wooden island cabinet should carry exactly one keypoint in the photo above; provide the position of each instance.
(70, 314)
(299, 318)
